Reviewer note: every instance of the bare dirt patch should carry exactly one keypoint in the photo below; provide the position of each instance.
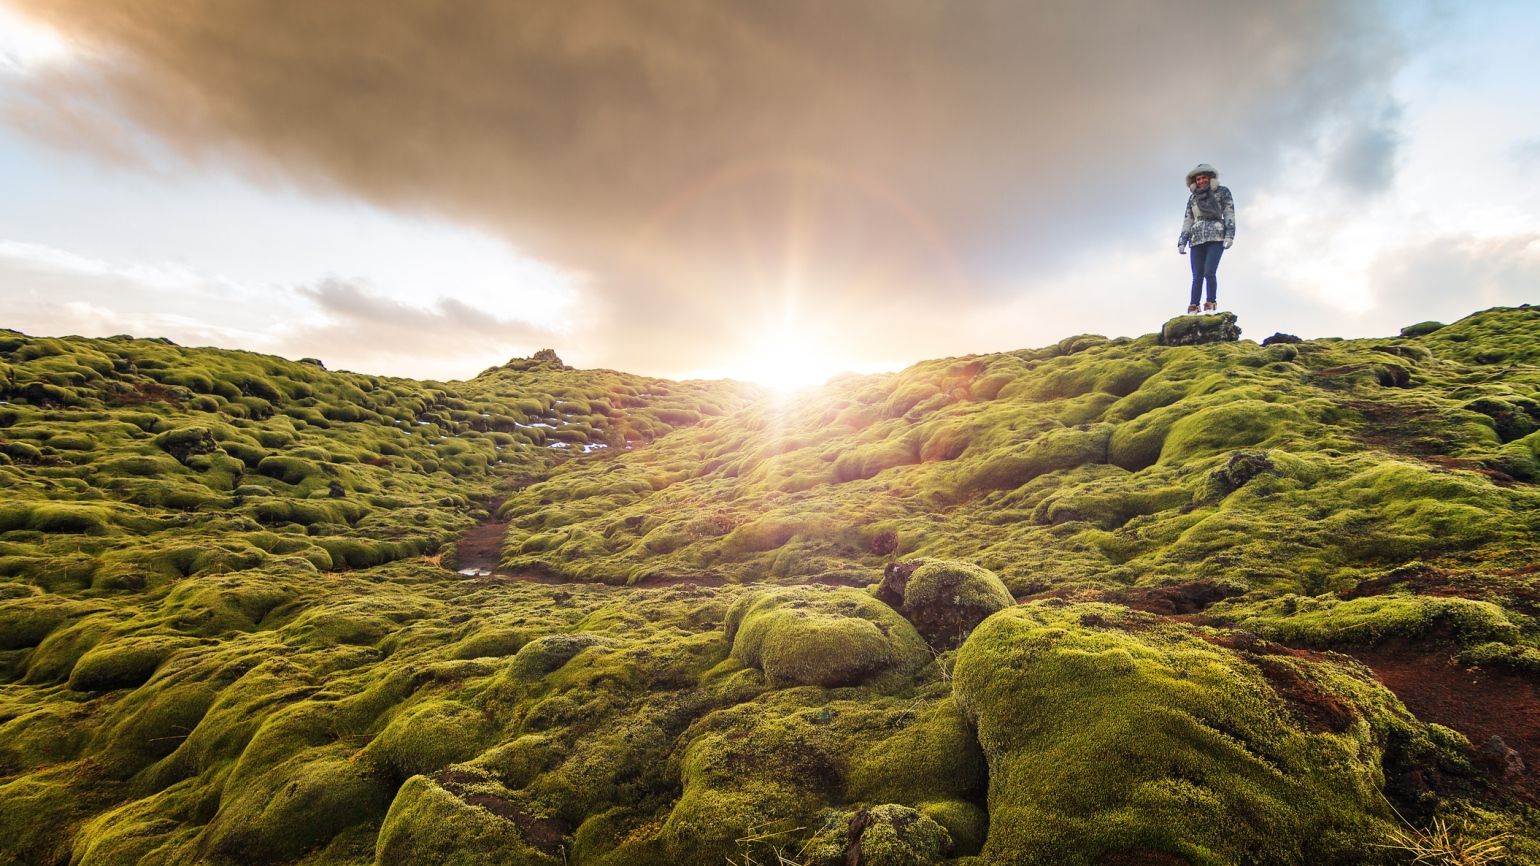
(1478, 702)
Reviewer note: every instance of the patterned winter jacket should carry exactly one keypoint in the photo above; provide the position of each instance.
(1201, 231)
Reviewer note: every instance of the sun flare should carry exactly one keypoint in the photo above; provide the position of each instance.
(786, 361)
(26, 46)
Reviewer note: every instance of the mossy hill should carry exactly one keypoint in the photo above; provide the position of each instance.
(1094, 603)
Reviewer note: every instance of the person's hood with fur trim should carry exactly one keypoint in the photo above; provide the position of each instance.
(1202, 168)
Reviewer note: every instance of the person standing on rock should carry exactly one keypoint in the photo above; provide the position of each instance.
(1208, 226)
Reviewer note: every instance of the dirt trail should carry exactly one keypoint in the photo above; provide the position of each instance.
(479, 550)
(478, 554)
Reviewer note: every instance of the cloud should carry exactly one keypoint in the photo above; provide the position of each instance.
(1445, 278)
(46, 290)
(359, 329)
(1526, 154)
(873, 164)
(1364, 158)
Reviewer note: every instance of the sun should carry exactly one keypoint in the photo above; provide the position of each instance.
(27, 47)
(786, 359)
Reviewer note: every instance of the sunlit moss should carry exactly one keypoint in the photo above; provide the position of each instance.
(225, 635)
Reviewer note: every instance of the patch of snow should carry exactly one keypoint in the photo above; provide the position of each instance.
(475, 572)
(557, 445)
(593, 446)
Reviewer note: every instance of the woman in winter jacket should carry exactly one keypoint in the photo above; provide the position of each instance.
(1208, 226)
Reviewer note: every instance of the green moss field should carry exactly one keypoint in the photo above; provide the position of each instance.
(1178, 599)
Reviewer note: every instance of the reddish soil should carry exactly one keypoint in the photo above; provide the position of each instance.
(144, 392)
(545, 834)
(1317, 710)
(1477, 702)
(479, 553)
(1398, 428)
(1177, 598)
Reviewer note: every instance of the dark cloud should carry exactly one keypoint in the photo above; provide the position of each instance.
(1364, 159)
(888, 161)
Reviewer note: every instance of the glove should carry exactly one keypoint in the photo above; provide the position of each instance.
(1181, 248)
(1229, 241)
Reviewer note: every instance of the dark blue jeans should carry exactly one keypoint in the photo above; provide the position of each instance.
(1205, 266)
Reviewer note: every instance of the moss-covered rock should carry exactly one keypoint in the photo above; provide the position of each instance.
(1196, 330)
(884, 835)
(298, 804)
(821, 637)
(462, 818)
(944, 599)
(545, 654)
(122, 663)
(1326, 621)
(429, 737)
(1111, 735)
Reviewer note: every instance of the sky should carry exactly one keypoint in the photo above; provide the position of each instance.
(770, 191)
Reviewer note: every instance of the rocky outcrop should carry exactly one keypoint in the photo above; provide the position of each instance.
(1196, 330)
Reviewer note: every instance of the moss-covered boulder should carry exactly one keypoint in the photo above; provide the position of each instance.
(542, 655)
(279, 812)
(184, 443)
(1112, 736)
(821, 637)
(1196, 330)
(428, 737)
(1330, 621)
(943, 598)
(465, 818)
(123, 663)
(1421, 329)
(884, 835)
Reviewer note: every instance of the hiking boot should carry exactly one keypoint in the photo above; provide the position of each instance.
(1192, 308)
(1209, 306)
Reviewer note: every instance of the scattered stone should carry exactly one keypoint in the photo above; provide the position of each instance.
(1503, 760)
(1239, 469)
(1196, 330)
(314, 362)
(1281, 337)
(187, 442)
